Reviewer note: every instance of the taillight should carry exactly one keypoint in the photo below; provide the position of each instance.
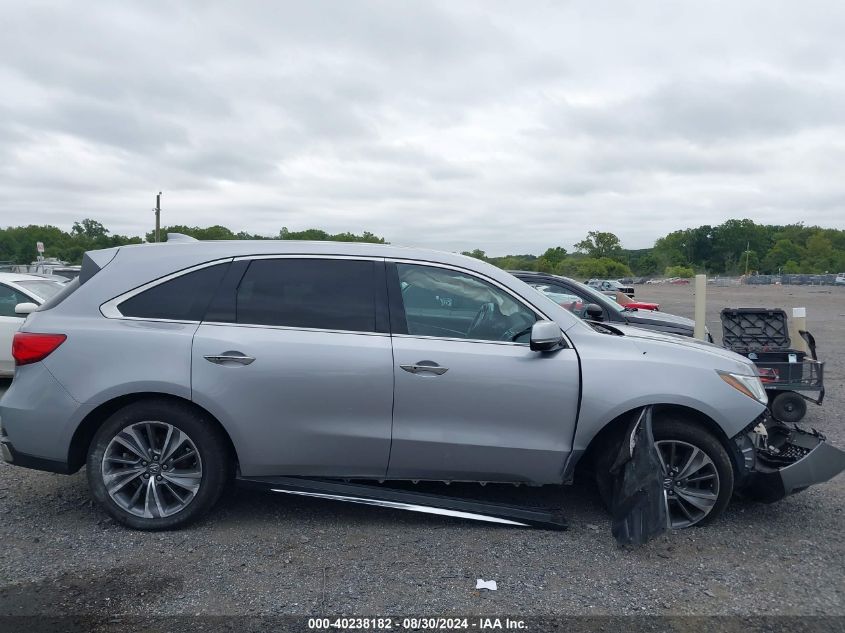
(29, 347)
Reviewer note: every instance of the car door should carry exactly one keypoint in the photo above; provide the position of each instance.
(472, 401)
(295, 357)
(9, 324)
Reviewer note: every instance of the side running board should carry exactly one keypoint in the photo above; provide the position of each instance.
(386, 497)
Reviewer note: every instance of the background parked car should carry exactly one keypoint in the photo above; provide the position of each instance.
(603, 307)
(610, 287)
(16, 289)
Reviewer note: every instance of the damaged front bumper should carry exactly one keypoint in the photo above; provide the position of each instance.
(779, 460)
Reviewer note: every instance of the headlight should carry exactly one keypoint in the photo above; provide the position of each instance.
(749, 385)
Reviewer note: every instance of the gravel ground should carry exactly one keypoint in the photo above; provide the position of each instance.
(265, 554)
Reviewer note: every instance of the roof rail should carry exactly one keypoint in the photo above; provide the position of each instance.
(180, 237)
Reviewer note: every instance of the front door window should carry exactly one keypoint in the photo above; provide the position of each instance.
(451, 304)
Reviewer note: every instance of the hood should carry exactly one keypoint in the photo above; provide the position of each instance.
(659, 318)
(644, 339)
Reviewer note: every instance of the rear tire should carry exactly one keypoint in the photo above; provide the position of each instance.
(712, 491)
(788, 407)
(157, 465)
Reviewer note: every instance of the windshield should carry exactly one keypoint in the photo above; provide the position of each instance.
(44, 289)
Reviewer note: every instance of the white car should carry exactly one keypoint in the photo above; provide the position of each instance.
(840, 279)
(16, 289)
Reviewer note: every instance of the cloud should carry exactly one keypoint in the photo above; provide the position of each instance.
(451, 125)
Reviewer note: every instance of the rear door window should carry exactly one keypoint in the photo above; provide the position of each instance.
(327, 294)
(183, 298)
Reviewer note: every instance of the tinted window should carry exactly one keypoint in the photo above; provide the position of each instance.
(448, 303)
(9, 299)
(329, 294)
(184, 298)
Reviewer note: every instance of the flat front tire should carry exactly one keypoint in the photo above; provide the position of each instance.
(157, 465)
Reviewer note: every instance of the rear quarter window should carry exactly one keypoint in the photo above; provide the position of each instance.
(183, 298)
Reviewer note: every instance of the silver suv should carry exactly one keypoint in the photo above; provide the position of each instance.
(168, 369)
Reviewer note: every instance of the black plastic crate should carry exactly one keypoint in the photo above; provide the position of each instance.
(758, 330)
(806, 376)
(787, 365)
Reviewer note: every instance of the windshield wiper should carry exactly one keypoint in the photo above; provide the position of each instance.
(604, 329)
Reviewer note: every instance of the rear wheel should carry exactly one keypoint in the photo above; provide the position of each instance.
(698, 475)
(788, 407)
(157, 464)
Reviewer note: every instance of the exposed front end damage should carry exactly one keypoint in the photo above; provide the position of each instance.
(779, 460)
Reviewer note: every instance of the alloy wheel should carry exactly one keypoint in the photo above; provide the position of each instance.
(690, 481)
(152, 469)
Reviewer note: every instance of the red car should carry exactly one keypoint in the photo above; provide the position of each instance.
(643, 305)
(624, 300)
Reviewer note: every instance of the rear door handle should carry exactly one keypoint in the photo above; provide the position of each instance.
(425, 367)
(229, 357)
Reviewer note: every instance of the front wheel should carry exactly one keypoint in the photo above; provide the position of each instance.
(698, 476)
(157, 464)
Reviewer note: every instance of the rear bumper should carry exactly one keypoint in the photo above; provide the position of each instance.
(11, 456)
(37, 421)
(788, 461)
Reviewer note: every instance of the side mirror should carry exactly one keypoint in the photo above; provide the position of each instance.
(546, 336)
(594, 312)
(23, 309)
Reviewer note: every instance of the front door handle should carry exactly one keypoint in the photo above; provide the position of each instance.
(229, 357)
(425, 367)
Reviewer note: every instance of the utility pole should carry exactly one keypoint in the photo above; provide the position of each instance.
(158, 215)
(747, 256)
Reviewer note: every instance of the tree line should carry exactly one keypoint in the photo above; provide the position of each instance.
(731, 248)
(17, 243)
(728, 249)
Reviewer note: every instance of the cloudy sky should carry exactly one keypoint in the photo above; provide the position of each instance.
(509, 126)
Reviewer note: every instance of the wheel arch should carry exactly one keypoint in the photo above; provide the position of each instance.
(607, 438)
(84, 433)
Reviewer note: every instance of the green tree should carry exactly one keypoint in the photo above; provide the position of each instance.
(600, 244)
(90, 229)
(730, 241)
(820, 255)
(684, 272)
(646, 265)
(319, 235)
(588, 267)
(477, 254)
(783, 251)
(554, 255)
